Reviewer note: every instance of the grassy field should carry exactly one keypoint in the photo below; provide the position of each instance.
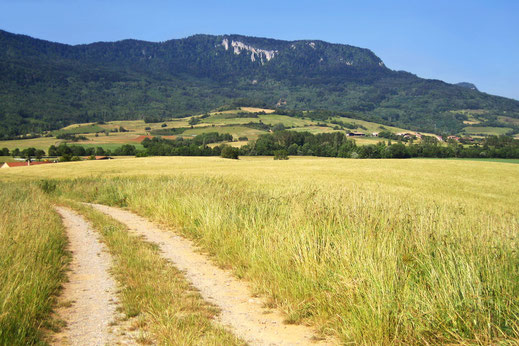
(112, 141)
(6, 159)
(38, 143)
(372, 251)
(235, 131)
(476, 159)
(371, 127)
(486, 130)
(32, 263)
(80, 129)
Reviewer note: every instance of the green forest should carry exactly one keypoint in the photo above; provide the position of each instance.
(46, 86)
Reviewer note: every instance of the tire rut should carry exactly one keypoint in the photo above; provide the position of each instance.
(88, 299)
(241, 312)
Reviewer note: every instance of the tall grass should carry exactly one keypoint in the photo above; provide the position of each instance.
(32, 262)
(375, 252)
(360, 263)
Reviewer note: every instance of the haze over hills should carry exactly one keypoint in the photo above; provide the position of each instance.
(46, 85)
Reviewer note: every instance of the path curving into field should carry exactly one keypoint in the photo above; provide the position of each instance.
(88, 298)
(241, 312)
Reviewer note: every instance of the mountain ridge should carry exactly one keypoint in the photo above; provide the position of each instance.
(48, 85)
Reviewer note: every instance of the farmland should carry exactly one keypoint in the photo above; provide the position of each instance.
(365, 251)
(235, 122)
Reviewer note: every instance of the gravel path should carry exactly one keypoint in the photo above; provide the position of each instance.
(88, 298)
(240, 311)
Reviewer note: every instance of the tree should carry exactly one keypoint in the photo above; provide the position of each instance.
(39, 154)
(53, 151)
(100, 151)
(126, 150)
(29, 153)
(229, 152)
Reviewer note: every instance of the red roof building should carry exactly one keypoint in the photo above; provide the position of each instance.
(23, 164)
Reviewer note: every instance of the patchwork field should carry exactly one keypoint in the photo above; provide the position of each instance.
(364, 251)
(486, 130)
(108, 136)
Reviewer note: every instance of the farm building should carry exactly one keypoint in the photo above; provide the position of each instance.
(23, 164)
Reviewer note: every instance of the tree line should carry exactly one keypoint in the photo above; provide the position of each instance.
(284, 143)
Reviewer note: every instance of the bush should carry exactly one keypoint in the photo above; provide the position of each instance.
(278, 127)
(194, 121)
(230, 153)
(280, 155)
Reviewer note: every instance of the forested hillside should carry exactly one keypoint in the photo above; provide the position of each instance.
(45, 85)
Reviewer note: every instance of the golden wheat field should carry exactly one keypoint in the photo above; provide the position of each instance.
(365, 251)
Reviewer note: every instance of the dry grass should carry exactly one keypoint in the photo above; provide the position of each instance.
(373, 251)
(32, 263)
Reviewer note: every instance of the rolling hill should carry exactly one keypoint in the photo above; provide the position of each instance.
(46, 86)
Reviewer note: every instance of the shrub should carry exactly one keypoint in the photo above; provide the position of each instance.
(230, 153)
(280, 155)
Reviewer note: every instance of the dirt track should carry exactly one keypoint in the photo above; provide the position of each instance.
(88, 299)
(240, 310)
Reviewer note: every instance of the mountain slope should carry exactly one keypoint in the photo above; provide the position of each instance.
(46, 85)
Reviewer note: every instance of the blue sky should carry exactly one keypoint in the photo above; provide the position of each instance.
(458, 40)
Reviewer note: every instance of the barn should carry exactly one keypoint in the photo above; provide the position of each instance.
(23, 164)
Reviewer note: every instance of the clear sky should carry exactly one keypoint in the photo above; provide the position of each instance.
(456, 41)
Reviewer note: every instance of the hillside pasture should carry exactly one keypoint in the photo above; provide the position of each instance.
(235, 131)
(79, 129)
(486, 130)
(38, 143)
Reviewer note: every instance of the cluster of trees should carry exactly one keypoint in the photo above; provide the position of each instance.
(178, 147)
(74, 150)
(71, 137)
(27, 153)
(196, 146)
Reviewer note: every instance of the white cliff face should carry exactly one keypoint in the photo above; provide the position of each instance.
(347, 62)
(255, 53)
(225, 43)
